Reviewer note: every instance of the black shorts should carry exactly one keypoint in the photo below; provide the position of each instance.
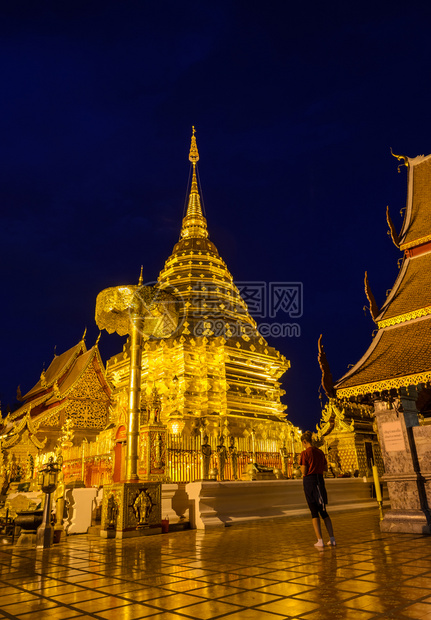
(315, 494)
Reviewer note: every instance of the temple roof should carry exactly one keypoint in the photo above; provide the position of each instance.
(416, 227)
(398, 356)
(63, 373)
(410, 296)
(56, 370)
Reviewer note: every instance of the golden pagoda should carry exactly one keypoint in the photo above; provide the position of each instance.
(215, 375)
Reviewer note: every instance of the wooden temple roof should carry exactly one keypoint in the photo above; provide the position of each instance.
(400, 353)
(63, 374)
(56, 371)
(398, 356)
(410, 296)
(417, 221)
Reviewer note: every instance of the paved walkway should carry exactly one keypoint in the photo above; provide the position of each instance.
(267, 570)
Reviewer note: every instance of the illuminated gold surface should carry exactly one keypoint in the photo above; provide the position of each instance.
(216, 366)
(265, 572)
(402, 318)
(415, 243)
(158, 308)
(379, 386)
(194, 223)
(134, 392)
(344, 429)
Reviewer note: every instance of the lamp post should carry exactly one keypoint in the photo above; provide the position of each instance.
(47, 479)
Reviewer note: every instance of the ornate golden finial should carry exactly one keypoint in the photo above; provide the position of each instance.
(194, 223)
(140, 276)
(98, 338)
(400, 157)
(84, 334)
(194, 153)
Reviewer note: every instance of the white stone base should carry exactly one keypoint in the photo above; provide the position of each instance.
(175, 503)
(405, 522)
(217, 504)
(80, 509)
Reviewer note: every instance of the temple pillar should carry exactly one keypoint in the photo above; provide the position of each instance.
(131, 509)
(409, 511)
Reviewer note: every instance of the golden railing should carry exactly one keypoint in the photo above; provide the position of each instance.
(94, 461)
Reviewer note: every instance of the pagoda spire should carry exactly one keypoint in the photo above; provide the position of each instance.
(194, 223)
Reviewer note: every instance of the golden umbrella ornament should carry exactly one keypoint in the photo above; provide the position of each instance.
(142, 312)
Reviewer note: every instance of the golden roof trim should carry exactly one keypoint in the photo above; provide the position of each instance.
(412, 244)
(402, 318)
(386, 384)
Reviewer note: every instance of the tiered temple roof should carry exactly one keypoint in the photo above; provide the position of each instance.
(399, 355)
(74, 386)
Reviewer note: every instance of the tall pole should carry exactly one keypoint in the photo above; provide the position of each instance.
(134, 391)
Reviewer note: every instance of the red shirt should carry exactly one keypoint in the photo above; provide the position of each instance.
(314, 459)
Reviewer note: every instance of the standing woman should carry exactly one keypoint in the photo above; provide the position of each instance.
(313, 464)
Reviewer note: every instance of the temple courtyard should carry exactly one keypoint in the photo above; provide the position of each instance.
(265, 570)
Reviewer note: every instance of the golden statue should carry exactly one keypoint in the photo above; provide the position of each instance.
(221, 457)
(142, 507)
(206, 458)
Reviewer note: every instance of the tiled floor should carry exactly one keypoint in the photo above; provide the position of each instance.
(267, 570)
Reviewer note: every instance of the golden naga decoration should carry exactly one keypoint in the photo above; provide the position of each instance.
(400, 157)
(327, 381)
(158, 309)
(25, 424)
(373, 307)
(392, 231)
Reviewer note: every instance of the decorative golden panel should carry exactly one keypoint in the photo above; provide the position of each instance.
(87, 413)
(414, 243)
(52, 419)
(89, 386)
(380, 386)
(402, 318)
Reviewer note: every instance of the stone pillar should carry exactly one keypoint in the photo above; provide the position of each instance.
(409, 508)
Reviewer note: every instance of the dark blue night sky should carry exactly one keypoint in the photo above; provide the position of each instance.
(295, 106)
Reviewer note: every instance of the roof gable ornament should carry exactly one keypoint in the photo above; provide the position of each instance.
(405, 160)
(327, 381)
(373, 307)
(392, 231)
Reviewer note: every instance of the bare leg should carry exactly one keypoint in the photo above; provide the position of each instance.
(317, 528)
(328, 525)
